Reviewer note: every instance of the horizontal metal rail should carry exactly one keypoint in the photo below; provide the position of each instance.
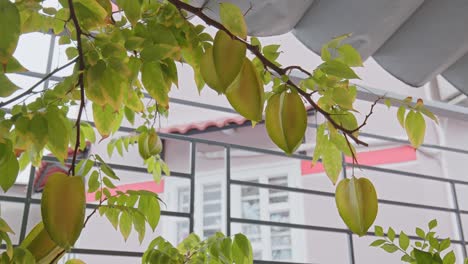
(314, 228)
(330, 194)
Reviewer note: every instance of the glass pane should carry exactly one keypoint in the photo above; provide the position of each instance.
(12, 213)
(282, 254)
(209, 232)
(208, 196)
(182, 230)
(249, 191)
(211, 220)
(251, 209)
(211, 208)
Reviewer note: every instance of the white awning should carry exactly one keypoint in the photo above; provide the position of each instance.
(414, 40)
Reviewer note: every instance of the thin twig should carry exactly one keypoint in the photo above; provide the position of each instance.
(353, 154)
(94, 211)
(371, 111)
(267, 63)
(299, 68)
(81, 65)
(31, 89)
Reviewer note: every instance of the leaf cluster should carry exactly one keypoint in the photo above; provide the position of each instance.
(427, 247)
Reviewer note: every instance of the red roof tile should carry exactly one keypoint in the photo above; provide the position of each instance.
(204, 125)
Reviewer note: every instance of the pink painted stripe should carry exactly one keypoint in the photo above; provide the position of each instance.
(370, 158)
(147, 186)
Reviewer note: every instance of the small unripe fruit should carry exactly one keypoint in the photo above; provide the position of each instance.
(149, 144)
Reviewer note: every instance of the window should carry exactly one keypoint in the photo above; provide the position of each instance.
(250, 197)
(183, 205)
(269, 204)
(249, 202)
(212, 209)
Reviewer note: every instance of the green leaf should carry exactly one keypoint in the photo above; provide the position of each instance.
(391, 234)
(113, 216)
(132, 10)
(378, 242)
(429, 114)
(320, 143)
(156, 52)
(422, 257)
(336, 41)
(432, 224)
(10, 30)
(129, 115)
(338, 69)
(6, 86)
(444, 244)
(357, 204)
(433, 242)
(110, 148)
(403, 241)
(9, 246)
(38, 130)
(345, 96)
(449, 258)
(415, 126)
(22, 256)
(93, 182)
(340, 142)
(106, 119)
(390, 248)
(4, 227)
(378, 230)
(189, 243)
(88, 132)
(154, 82)
(125, 224)
(271, 52)
(59, 131)
(388, 102)
(242, 250)
(332, 161)
(407, 258)
(140, 225)
(90, 13)
(350, 55)
(420, 233)
(9, 166)
(119, 147)
(14, 66)
(83, 167)
(71, 52)
(401, 115)
(233, 19)
(325, 53)
(108, 183)
(106, 168)
(149, 206)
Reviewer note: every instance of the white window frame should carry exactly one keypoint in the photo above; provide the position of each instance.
(263, 171)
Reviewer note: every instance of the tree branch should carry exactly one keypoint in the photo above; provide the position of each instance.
(81, 65)
(299, 68)
(267, 63)
(31, 89)
(371, 111)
